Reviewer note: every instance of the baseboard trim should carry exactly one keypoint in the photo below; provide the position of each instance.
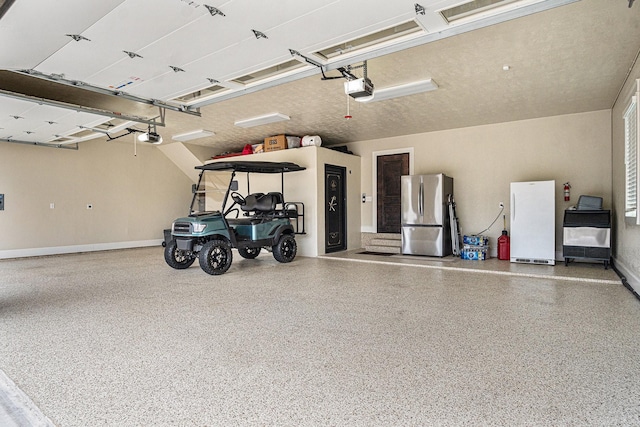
(633, 280)
(59, 250)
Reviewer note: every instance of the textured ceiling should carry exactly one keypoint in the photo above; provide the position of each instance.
(569, 59)
(566, 60)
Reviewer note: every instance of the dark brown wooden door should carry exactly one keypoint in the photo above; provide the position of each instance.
(390, 169)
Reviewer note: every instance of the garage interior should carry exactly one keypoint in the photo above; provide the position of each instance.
(96, 328)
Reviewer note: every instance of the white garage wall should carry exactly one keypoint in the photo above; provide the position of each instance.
(484, 160)
(133, 197)
(308, 187)
(627, 234)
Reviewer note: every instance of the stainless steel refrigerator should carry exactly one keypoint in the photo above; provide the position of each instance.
(425, 222)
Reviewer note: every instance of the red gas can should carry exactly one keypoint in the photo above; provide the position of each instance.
(504, 247)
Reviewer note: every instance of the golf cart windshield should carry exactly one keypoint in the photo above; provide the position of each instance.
(209, 193)
(218, 180)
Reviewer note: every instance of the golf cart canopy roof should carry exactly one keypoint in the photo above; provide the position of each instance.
(256, 167)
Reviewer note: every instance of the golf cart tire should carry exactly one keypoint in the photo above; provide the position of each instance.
(215, 257)
(175, 257)
(249, 253)
(286, 248)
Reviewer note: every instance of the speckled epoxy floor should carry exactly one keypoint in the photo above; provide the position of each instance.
(118, 338)
(591, 271)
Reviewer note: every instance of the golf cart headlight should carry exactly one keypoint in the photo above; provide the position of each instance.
(199, 227)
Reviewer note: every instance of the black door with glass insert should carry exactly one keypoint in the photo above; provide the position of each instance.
(335, 211)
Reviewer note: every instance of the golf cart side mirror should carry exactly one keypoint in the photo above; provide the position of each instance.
(234, 185)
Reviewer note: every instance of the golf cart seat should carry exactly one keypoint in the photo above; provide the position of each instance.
(286, 210)
(250, 202)
(278, 202)
(260, 203)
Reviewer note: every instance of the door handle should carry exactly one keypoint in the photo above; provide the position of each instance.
(421, 200)
(513, 206)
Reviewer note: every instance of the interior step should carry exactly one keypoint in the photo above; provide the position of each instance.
(386, 242)
(385, 236)
(390, 243)
(383, 249)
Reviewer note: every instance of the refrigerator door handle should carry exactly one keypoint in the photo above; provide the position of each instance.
(513, 206)
(421, 200)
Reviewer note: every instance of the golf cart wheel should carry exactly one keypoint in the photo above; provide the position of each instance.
(286, 248)
(249, 253)
(215, 257)
(177, 258)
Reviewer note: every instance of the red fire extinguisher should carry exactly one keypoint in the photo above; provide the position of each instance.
(567, 191)
(504, 245)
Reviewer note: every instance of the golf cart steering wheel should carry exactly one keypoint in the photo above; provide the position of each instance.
(237, 198)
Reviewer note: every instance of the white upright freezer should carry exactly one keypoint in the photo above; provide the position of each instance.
(533, 225)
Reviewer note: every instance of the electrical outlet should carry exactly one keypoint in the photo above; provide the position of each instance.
(501, 205)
